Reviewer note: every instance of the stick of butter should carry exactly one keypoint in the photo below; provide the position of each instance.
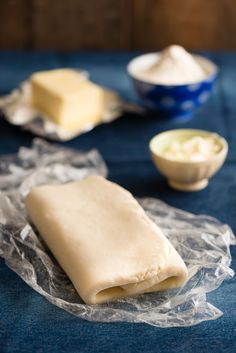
(67, 98)
(103, 240)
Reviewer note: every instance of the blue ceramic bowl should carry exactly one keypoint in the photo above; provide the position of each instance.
(171, 100)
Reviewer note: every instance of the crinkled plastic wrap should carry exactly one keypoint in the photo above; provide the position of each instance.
(17, 109)
(203, 242)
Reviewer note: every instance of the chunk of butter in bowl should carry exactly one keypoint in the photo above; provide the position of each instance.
(172, 82)
(188, 158)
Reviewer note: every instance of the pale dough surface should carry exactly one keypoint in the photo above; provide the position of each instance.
(103, 240)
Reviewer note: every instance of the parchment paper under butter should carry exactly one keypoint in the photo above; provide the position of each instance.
(202, 241)
(17, 109)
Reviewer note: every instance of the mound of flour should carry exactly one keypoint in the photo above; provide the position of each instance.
(174, 66)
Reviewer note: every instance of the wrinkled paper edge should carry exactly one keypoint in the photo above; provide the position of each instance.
(17, 109)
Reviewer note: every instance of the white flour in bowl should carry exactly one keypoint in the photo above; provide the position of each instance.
(173, 66)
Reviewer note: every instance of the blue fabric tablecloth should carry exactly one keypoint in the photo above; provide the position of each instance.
(28, 323)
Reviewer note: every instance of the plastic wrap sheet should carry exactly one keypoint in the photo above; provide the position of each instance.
(203, 242)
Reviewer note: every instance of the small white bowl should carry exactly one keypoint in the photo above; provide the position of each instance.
(186, 175)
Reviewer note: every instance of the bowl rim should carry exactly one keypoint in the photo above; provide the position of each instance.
(222, 153)
(207, 78)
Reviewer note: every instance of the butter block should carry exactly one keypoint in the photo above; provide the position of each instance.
(67, 98)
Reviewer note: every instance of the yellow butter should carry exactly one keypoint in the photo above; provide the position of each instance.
(67, 98)
(195, 149)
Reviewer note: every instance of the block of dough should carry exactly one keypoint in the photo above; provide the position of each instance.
(103, 240)
(67, 98)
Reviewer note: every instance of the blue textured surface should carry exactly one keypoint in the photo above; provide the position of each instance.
(28, 323)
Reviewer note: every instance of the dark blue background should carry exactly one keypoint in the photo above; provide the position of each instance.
(28, 323)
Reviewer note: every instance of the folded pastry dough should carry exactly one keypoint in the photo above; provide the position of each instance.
(103, 240)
